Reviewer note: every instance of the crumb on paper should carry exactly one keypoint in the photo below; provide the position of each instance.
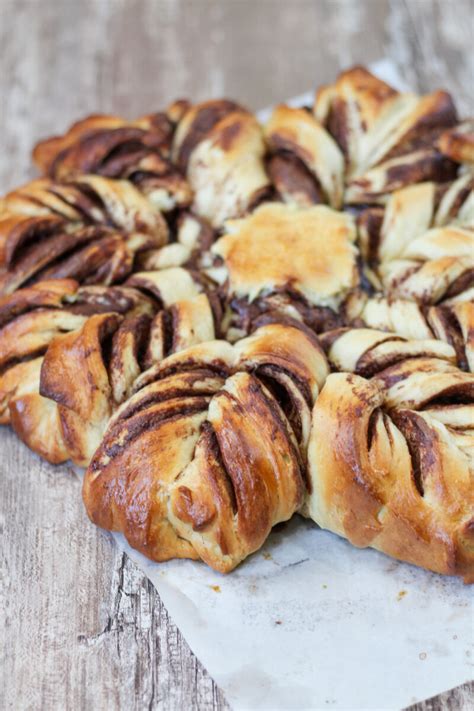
(401, 594)
(267, 556)
(216, 588)
(324, 586)
(278, 622)
(422, 656)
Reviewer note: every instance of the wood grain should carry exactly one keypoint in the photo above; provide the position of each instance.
(108, 642)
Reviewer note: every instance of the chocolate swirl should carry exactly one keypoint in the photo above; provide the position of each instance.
(423, 246)
(69, 355)
(209, 453)
(452, 323)
(115, 148)
(147, 240)
(390, 458)
(90, 230)
(388, 138)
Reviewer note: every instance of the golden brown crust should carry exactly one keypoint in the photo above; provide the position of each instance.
(366, 351)
(387, 137)
(99, 133)
(201, 446)
(296, 133)
(30, 320)
(115, 148)
(373, 96)
(452, 323)
(322, 266)
(36, 421)
(209, 453)
(221, 147)
(46, 294)
(389, 474)
(390, 458)
(89, 230)
(195, 124)
(458, 143)
(90, 372)
(423, 247)
(75, 377)
(101, 351)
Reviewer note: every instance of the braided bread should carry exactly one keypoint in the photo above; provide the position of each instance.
(424, 245)
(110, 146)
(361, 141)
(458, 143)
(194, 237)
(306, 165)
(364, 351)
(387, 137)
(31, 320)
(220, 146)
(390, 458)
(85, 354)
(209, 453)
(89, 230)
(147, 240)
(451, 323)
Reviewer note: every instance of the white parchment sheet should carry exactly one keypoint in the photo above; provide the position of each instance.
(310, 622)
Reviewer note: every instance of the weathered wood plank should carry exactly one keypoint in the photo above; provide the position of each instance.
(107, 641)
(81, 626)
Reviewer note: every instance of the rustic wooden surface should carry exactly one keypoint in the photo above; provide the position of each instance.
(107, 641)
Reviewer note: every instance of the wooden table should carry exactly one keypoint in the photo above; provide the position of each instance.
(107, 641)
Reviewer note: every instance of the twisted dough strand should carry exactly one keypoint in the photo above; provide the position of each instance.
(424, 245)
(210, 452)
(115, 148)
(393, 476)
(361, 141)
(198, 446)
(390, 458)
(387, 137)
(56, 336)
(220, 147)
(89, 230)
(451, 323)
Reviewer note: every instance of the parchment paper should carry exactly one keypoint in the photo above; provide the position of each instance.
(310, 622)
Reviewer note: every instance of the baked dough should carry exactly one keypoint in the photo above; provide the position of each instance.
(69, 356)
(210, 452)
(307, 166)
(221, 148)
(338, 237)
(361, 141)
(277, 248)
(115, 148)
(425, 243)
(451, 323)
(89, 230)
(387, 137)
(390, 458)
(458, 143)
